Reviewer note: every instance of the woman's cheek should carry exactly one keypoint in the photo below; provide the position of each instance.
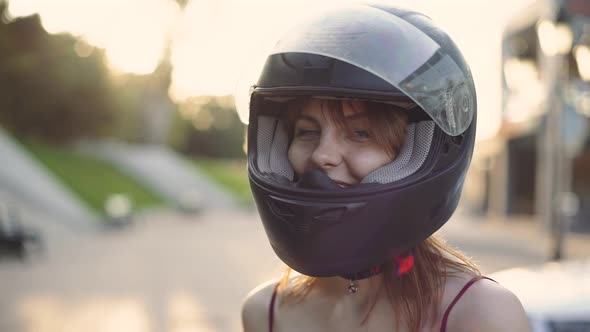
(364, 161)
(297, 157)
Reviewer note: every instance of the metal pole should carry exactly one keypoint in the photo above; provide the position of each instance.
(559, 178)
(550, 158)
(554, 169)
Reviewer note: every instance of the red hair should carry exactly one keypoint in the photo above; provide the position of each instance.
(414, 296)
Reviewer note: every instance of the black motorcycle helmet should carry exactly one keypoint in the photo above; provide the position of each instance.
(376, 53)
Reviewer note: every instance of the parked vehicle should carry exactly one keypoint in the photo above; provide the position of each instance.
(16, 240)
(556, 296)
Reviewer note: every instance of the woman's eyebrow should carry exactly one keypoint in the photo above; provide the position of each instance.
(357, 116)
(307, 118)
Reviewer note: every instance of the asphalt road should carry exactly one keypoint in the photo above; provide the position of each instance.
(171, 272)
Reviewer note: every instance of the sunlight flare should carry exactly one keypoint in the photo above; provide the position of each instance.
(134, 33)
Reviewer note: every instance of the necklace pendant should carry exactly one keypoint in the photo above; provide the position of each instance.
(352, 288)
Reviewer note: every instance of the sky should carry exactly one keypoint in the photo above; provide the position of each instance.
(217, 43)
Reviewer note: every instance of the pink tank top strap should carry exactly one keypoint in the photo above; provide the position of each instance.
(443, 325)
(271, 311)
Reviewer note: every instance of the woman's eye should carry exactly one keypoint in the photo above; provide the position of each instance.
(307, 132)
(362, 134)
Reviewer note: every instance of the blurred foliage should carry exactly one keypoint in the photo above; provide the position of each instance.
(46, 89)
(93, 180)
(182, 3)
(230, 174)
(209, 126)
(133, 94)
(58, 89)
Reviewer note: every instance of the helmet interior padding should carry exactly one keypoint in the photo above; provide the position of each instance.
(273, 144)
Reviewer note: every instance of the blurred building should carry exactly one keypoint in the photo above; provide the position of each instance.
(538, 163)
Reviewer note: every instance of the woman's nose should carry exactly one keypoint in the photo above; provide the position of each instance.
(327, 153)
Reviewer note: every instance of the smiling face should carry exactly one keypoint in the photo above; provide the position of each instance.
(344, 139)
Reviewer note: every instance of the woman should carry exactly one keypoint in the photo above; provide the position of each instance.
(362, 127)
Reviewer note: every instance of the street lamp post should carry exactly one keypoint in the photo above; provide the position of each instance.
(555, 39)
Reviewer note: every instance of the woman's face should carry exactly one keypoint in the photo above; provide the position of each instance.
(346, 154)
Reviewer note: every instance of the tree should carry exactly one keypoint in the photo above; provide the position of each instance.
(48, 90)
(209, 126)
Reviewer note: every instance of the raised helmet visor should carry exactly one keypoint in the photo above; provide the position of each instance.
(395, 51)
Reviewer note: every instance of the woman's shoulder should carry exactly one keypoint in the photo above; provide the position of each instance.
(484, 306)
(256, 307)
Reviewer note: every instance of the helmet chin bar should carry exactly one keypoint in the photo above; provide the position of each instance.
(317, 179)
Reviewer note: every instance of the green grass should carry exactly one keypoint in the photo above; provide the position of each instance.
(230, 174)
(92, 179)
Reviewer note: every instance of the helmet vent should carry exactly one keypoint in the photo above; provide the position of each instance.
(331, 216)
(302, 219)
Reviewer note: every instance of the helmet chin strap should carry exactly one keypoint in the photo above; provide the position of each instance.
(402, 264)
(352, 287)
